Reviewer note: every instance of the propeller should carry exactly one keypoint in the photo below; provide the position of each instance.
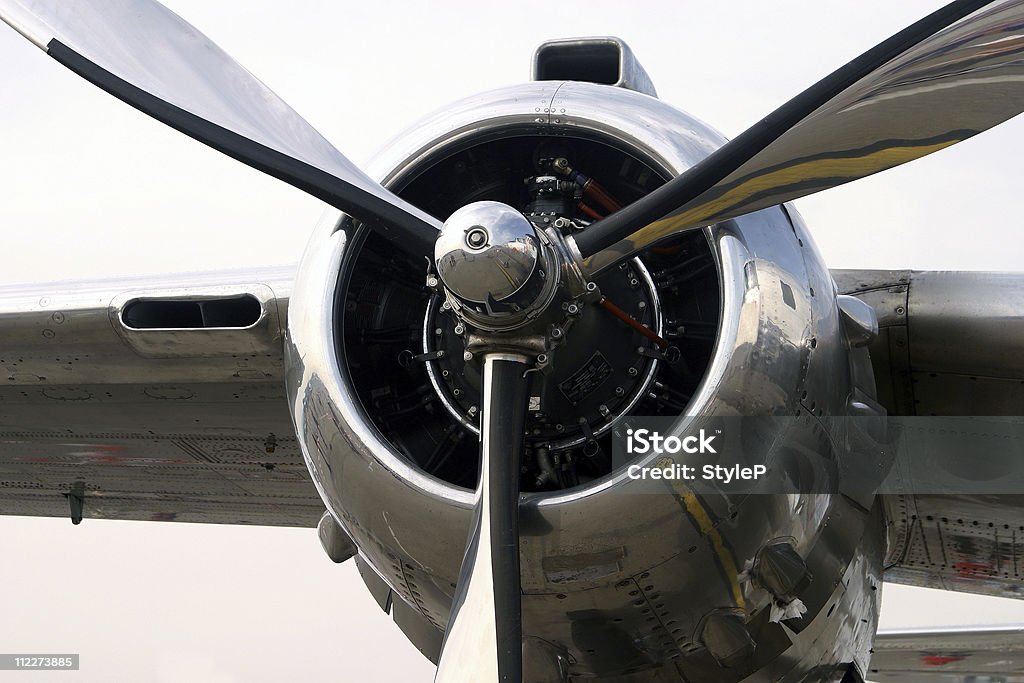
(955, 73)
(483, 641)
(144, 54)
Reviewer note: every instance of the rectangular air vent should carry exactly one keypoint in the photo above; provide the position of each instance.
(606, 60)
(237, 312)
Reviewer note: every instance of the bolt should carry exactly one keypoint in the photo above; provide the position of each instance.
(456, 392)
(446, 306)
(619, 391)
(633, 372)
(431, 281)
(591, 286)
(476, 237)
(438, 331)
(556, 332)
(573, 309)
(603, 409)
(542, 358)
(642, 305)
(467, 355)
(559, 427)
(460, 328)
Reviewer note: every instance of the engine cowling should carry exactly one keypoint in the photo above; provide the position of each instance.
(761, 336)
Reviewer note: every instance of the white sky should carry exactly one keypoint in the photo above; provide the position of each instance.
(91, 188)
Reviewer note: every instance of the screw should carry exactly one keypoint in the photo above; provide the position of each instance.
(619, 391)
(642, 305)
(556, 333)
(603, 409)
(460, 328)
(591, 286)
(633, 372)
(573, 309)
(431, 281)
(467, 355)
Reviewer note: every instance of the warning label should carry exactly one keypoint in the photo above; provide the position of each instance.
(584, 381)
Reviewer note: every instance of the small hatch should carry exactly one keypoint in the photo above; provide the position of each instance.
(237, 312)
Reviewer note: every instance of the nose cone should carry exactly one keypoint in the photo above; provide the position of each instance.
(486, 252)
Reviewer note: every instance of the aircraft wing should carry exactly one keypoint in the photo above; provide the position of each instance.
(155, 398)
(949, 344)
(967, 655)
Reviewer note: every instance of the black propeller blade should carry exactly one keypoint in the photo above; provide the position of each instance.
(483, 641)
(144, 54)
(951, 75)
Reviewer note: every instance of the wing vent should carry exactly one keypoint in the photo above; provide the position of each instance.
(238, 312)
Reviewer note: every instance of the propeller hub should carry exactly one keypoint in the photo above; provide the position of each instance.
(495, 265)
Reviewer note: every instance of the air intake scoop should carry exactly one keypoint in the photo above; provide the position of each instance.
(606, 60)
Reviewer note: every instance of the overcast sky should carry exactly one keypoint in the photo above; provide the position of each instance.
(91, 188)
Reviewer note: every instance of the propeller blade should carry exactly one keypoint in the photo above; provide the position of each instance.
(147, 56)
(951, 75)
(484, 637)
